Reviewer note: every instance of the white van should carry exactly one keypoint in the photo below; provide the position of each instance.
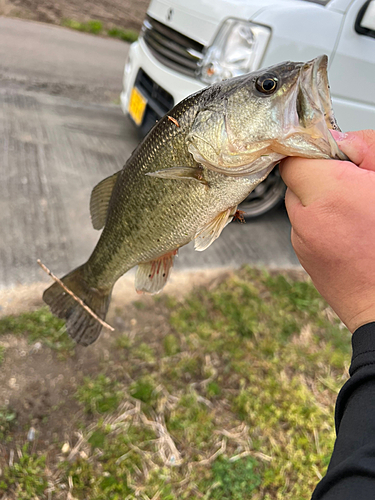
(186, 45)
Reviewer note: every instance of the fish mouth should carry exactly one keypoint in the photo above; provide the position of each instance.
(314, 108)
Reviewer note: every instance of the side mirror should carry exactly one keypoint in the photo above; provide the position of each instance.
(365, 22)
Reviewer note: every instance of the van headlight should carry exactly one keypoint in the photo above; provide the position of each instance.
(238, 48)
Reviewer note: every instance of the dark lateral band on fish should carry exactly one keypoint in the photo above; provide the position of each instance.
(233, 135)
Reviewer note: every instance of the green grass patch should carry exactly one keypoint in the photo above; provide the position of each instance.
(26, 479)
(235, 480)
(41, 326)
(143, 389)
(95, 27)
(7, 421)
(171, 345)
(227, 394)
(125, 35)
(100, 394)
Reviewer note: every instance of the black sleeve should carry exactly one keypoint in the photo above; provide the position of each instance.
(351, 472)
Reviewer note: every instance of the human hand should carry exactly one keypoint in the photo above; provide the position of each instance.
(331, 206)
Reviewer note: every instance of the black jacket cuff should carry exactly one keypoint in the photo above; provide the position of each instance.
(363, 343)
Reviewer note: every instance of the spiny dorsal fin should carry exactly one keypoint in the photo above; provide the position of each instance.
(185, 173)
(99, 201)
(206, 235)
(152, 276)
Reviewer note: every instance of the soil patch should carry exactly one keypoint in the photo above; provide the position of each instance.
(123, 13)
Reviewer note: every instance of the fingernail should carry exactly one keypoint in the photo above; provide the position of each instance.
(338, 136)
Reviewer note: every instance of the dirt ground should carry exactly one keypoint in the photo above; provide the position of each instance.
(127, 14)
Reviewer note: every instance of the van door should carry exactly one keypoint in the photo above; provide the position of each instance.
(352, 70)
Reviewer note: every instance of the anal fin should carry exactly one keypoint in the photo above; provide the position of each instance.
(152, 276)
(206, 235)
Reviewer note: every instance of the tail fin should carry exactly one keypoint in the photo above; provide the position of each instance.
(80, 325)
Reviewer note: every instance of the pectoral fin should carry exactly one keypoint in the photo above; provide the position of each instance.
(99, 201)
(152, 276)
(186, 173)
(210, 232)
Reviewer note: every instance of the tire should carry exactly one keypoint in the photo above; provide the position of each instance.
(267, 195)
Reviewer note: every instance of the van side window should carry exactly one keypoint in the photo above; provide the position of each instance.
(365, 22)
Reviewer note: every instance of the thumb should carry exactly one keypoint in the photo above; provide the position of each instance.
(358, 146)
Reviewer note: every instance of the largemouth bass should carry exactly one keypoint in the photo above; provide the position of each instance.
(185, 179)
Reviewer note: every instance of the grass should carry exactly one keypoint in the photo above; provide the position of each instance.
(96, 27)
(125, 35)
(235, 480)
(27, 477)
(227, 394)
(99, 395)
(39, 326)
(7, 421)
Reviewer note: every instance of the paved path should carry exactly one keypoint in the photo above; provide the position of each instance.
(60, 61)
(54, 149)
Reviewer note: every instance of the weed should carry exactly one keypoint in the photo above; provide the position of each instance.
(125, 35)
(143, 389)
(2, 351)
(192, 422)
(7, 420)
(139, 305)
(235, 480)
(97, 439)
(108, 477)
(171, 345)
(93, 26)
(213, 389)
(27, 478)
(123, 342)
(83, 477)
(99, 395)
(145, 353)
(41, 326)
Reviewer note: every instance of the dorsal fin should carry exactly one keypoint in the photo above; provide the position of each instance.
(99, 201)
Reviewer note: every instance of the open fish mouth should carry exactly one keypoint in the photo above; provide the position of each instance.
(315, 76)
(314, 105)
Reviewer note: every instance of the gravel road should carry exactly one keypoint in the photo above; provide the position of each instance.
(61, 134)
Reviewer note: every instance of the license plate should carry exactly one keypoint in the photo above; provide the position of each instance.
(137, 106)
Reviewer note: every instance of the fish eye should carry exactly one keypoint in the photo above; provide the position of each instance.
(266, 84)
